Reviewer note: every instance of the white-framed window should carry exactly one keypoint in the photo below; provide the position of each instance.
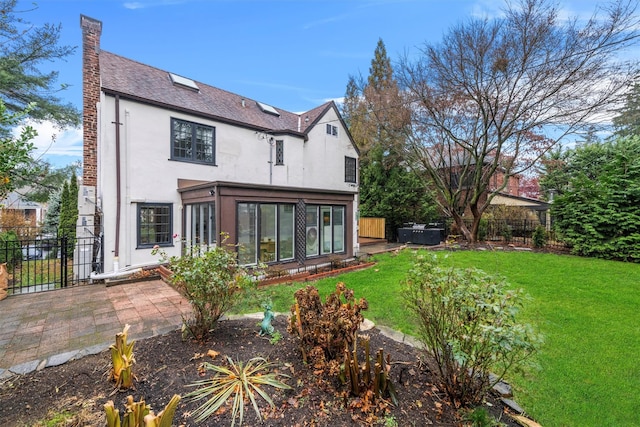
(192, 142)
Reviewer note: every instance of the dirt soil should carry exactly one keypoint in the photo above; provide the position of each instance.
(166, 364)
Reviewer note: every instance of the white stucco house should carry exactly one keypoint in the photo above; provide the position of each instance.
(175, 161)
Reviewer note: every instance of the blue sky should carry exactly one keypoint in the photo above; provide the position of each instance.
(292, 54)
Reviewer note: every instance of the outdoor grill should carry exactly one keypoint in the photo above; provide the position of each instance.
(420, 234)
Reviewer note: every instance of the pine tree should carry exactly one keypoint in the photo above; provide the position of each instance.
(627, 122)
(24, 47)
(69, 213)
(63, 224)
(52, 217)
(377, 120)
(72, 210)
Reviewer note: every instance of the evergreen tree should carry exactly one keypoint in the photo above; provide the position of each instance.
(73, 198)
(45, 180)
(69, 212)
(627, 122)
(63, 224)
(598, 213)
(15, 152)
(24, 47)
(374, 112)
(52, 217)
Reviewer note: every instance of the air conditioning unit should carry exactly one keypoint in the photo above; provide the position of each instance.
(86, 200)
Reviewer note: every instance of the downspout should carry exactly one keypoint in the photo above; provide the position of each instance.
(116, 252)
(271, 142)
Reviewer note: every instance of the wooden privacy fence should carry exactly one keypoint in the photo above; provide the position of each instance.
(372, 227)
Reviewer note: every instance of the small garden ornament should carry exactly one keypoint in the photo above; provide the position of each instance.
(266, 328)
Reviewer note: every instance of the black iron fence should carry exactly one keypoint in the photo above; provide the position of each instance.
(38, 262)
(514, 231)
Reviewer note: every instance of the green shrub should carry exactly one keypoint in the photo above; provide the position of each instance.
(10, 251)
(507, 233)
(480, 417)
(539, 237)
(212, 281)
(467, 321)
(482, 230)
(598, 215)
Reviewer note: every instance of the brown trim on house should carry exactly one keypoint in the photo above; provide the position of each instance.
(227, 196)
(202, 115)
(182, 187)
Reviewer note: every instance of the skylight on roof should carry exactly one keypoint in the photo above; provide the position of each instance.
(183, 81)
(267, 109)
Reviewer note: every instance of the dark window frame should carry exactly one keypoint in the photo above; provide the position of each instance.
(333, 208)
(350, 169)
(279, 152)
(168, 233)
(194, 144)
(332, 130)
(278, 231)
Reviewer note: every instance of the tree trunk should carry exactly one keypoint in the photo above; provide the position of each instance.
(475, 224)
(462, 226)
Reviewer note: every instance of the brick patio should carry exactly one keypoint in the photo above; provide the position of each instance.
(36, 327)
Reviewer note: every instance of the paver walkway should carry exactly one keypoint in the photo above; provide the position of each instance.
(49, 328)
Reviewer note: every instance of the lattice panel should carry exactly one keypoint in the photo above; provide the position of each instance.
(301, 231)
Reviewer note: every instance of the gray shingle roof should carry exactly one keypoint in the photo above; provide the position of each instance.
(142, 82)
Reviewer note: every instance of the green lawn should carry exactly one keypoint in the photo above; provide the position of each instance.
(39, 272)
(587, 309)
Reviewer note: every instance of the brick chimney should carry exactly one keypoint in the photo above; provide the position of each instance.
(91, 31)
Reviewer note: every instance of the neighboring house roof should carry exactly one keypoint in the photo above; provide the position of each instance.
(511, 200)
(14, 200)
(134, 80)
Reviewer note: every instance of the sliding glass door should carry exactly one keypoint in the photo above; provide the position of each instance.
(266, 232)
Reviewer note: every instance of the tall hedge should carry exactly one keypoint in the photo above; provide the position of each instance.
(599, 215)
(69, 212)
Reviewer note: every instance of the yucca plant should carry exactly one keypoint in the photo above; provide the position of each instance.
(242, 380)
(139, 414)
(122, 360)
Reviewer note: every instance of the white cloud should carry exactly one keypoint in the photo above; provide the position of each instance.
(328, 20)
(487, 9)
(133, 5)
(52, 141)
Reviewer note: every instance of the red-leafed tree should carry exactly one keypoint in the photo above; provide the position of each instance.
(483, 98)
(530, 187)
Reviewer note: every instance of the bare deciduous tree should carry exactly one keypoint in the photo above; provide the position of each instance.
(486, 95)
